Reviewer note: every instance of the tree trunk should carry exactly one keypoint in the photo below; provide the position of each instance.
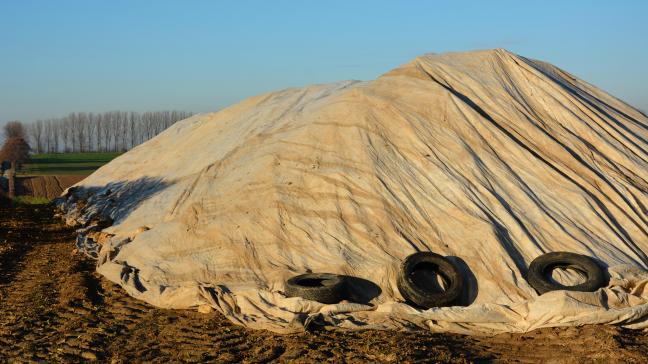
(12, 174)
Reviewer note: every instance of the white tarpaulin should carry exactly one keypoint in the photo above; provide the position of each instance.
(488, 158)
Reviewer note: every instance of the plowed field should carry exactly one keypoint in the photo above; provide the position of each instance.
(45, 186)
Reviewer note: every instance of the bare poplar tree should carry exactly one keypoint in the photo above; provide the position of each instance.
(65, 133)
(90, 129)
(55, 135)
(36, 130)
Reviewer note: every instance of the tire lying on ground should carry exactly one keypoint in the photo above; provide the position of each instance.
(539, 276)
(320, 287)
(418, 283)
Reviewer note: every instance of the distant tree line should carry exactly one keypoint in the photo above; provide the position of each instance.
(112, 131)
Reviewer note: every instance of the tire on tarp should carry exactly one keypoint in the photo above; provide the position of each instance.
(539, 276)
(424, 294)
(321, 287)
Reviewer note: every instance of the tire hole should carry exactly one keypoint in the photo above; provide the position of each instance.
(566, 275)
(311, 282)
(428, 277)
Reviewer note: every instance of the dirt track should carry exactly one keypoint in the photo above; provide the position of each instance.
(54, 308)
(45, 186)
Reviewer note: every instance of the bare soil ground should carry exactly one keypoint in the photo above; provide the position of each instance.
(45, 186)
(54, 308)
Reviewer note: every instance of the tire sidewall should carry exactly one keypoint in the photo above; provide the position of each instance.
(541, 267)
(411, 292)
(333, 289)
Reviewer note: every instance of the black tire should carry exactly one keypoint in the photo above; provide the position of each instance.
(539, 276)
(320, 287)
(415, 290)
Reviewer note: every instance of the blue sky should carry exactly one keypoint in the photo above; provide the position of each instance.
(63, 56)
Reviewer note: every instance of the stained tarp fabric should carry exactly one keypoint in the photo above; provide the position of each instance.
(488, 158)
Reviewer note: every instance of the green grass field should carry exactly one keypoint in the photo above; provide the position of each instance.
(78, 164)
(30, 200)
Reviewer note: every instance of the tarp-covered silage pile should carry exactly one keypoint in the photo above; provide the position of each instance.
(488, 158)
